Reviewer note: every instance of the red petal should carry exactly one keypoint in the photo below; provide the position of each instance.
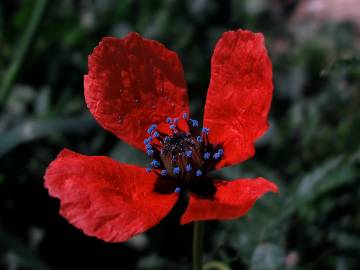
(239, 95)
(109, 200)
(132, 83)
(233, 199)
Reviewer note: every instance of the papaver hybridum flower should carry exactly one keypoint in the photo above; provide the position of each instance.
(135, 88)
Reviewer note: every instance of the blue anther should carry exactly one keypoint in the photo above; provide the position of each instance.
(163, 172)
(168, 120)
(198, 173)
(220, 151)
(150, 152)
(151, 128)
(176, 170)
(188, 168)
(172, 127)
(156, 134)
(206, 155)
(216, 156)
(177, 190)
(148, 147)
(194, 123)
(148, 170)
(155, 163)
(147, 140)
(199, 139)
(188, 153)
(176, 120)
(205, 130)
(185, 115)
(167, 139)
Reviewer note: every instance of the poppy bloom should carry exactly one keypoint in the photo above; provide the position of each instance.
(135, 88)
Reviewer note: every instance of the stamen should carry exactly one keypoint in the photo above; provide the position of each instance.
(151, 128)
(176, 170)
(205, 130)
(155, 163)
(188, 168)
(147, 140)
(194, 123)
(181, 156)
(216, 156)
(148, 147)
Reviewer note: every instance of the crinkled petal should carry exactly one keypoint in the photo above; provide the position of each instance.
(107, 199)
(233, 199)
(239, 95)
(132, 83)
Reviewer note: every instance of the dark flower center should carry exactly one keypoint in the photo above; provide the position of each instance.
(182, 157)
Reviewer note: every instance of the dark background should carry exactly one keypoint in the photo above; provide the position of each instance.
(311, 151)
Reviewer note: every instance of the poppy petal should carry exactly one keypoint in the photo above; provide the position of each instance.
(239, 95)
(233, 199)
(132, 83)
(104, 198)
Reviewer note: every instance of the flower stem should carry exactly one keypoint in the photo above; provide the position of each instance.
(198, 239)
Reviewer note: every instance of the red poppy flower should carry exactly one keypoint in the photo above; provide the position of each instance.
(135, 88)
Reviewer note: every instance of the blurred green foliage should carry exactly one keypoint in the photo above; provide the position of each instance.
(312, 150)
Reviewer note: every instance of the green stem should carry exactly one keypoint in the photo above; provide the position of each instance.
(198, 239)
(21, 49)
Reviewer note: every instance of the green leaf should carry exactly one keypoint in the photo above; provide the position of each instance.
(331, 174)
(42, 101)
(215, 265)
(349, 65)
(267, 256)
(126, 153)
(27, 256)
(35, 129)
